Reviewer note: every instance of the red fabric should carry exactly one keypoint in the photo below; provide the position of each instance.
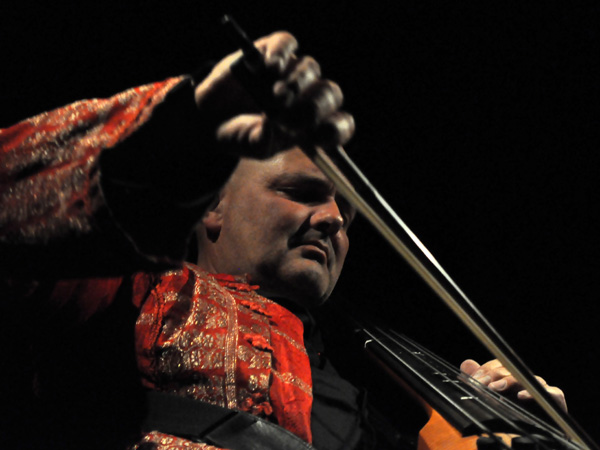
(214, 339)
(49, 182)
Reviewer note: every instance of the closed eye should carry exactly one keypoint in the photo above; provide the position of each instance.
(310, 190)
(304, 194)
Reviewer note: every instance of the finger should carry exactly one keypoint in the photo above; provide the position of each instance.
(490, 371)
(524, 394)
(556, 393)
(303, 73)
(483, 372)
(278, 49)
(505, 384)
(491, 365)
(502, 380)
(472, 368)
(499, 373)
(337, 129)
(317, 102)
(469, 366)
(326, 96)
(245, 134)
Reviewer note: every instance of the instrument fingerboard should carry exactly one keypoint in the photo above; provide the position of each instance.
(471, 407)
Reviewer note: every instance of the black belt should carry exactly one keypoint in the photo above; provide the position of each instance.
(214, 425)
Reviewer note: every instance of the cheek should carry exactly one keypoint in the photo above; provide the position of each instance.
(342, 245)
(271, 225)
(284, 216)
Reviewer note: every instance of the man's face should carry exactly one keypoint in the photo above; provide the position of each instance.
(280, 221)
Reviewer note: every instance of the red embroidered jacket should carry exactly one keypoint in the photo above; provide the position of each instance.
(208, 337)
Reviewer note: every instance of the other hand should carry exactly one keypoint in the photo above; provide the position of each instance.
(497, 377)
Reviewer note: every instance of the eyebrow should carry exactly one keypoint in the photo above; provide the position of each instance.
(321, 183)
(297, 178)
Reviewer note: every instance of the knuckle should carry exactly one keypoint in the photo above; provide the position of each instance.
(317, 103)
(557, 392)
(328, 99)
(301, 80)
(512, 381)
(284, 42)
(337, 91)
(286, 36)
(337, 129)
(469, 366)
(310, 63)
(502, 372)
(493, 364)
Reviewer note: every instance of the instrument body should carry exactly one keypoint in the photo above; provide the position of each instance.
(460, 409)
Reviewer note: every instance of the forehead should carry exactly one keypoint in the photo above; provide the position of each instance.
(289, 163)
(293, 161)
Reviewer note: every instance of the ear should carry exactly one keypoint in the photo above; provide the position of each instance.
(213, 221)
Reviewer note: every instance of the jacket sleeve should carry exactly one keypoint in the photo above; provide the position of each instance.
(106, 187)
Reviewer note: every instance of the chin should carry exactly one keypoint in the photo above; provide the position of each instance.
(305, 282)
(309, 288)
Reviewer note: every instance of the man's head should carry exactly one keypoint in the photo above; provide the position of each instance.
(281, 222)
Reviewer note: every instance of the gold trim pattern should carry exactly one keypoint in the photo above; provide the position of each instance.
(291, 379)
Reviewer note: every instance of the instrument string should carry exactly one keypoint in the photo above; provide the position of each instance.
(501, 402)
(465, 385)
(472, 383)
(440, 393)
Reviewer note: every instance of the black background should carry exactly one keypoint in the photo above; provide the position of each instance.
(478, 123)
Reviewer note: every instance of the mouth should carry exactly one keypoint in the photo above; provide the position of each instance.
(316, 250)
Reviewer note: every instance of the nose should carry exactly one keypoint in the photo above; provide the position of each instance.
(327, 218)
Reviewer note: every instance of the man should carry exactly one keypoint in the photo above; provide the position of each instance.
(111, 188)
